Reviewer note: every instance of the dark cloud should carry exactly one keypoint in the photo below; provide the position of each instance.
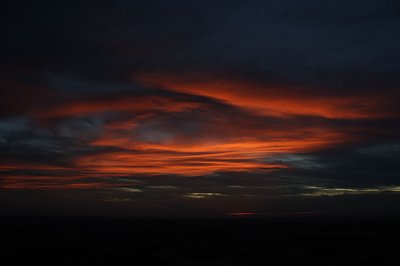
(367, 165)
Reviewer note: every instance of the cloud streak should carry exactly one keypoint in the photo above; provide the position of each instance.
(279, 101)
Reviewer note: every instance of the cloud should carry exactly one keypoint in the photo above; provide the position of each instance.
(132, 104)
(202, 195)
(330, 192)
(278, 101)
(187, 125)
(195, 128)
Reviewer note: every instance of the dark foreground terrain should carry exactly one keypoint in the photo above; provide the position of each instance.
(67, 241)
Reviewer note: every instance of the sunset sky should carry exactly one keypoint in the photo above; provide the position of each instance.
(198, 108)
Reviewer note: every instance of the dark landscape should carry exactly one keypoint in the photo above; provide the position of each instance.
(230, 241)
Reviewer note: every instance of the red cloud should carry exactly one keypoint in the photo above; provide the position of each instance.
(277, 101)
(263, 123)
(215, 149)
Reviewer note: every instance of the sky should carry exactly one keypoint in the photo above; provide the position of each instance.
(198, 108)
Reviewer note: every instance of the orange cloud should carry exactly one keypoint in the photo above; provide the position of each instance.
(51, 183)
(275, 101)
(182, 136)
(122, 153)
(186, 156)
